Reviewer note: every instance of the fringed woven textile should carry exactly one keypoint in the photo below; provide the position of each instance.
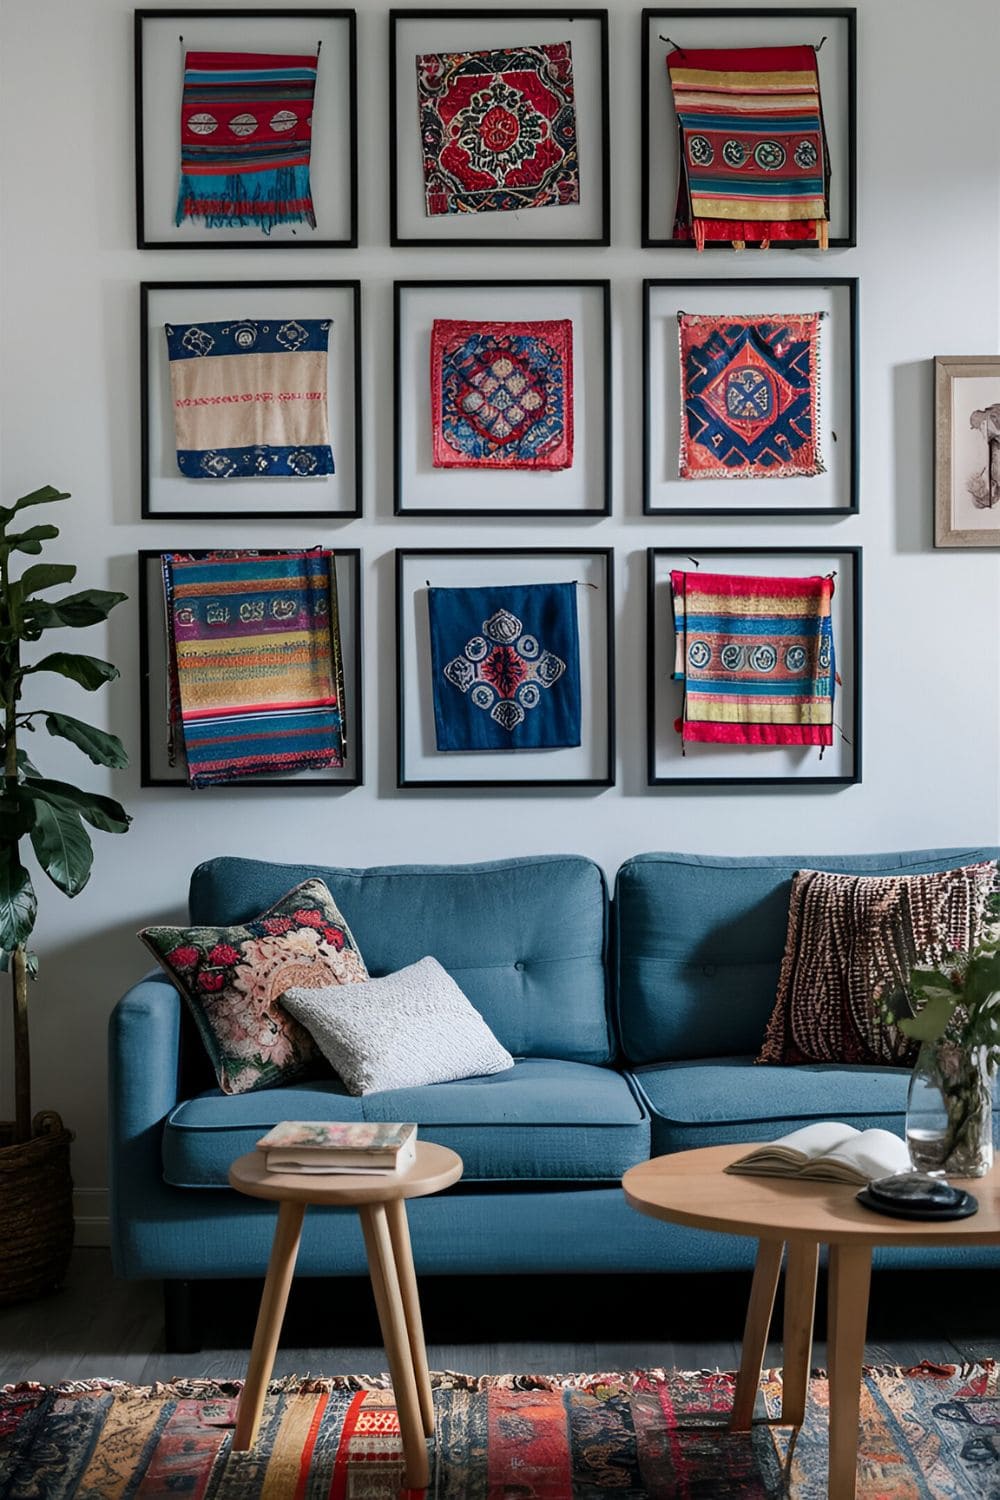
(754, 163)
(505, 665)
(755, 656)
(498, 129)
(255, 668)
(502, 394)
(749, 396)
(246, 137)
(250, 398)
(928, 1433)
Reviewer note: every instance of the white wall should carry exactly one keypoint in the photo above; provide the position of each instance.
(928, 262)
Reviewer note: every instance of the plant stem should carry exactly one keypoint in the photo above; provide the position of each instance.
(22, 1051)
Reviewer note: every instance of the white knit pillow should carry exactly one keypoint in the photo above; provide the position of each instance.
(399, 1032)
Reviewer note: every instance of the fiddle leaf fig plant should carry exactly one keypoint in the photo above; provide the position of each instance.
(50, 815)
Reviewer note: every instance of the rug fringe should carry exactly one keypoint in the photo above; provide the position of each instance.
(453, 1380)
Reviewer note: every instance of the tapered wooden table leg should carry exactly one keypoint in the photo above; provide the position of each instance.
(392, 1320)
(797, 1337)
(280, 1270)
(850, 1278)
(758, 1322)
(399, 1233)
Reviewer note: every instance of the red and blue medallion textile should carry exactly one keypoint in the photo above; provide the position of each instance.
(250, 398)
(927, 1433)
(254, 662)
(505, 666)
(498, 129)
(502, 394)
(754, 164)
(756, 658)
(246, 137)
(749, 396)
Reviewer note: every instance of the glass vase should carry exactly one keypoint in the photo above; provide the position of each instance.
(949, 1111)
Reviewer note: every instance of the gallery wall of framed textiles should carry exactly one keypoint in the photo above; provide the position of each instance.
(436, 473)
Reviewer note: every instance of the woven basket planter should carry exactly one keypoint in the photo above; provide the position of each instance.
(36, 1209)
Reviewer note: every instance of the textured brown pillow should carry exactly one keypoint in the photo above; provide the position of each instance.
(852, 939)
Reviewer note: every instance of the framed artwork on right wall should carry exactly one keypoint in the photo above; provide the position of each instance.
(967, 450)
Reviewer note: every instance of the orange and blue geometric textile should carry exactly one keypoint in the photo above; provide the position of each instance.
(502, 394)
(755, 655)
(754, 162)
(498, 129)
(749, 396)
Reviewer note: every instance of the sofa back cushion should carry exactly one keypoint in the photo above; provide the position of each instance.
(525, 939)
(699, 942)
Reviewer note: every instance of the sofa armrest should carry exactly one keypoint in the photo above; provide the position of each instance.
(143, 1072)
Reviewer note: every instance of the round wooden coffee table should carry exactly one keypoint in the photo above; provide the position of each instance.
(379, 1200)
(690, 1188)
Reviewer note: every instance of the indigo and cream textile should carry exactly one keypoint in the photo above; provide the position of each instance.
(250, 398)
(755, 656)
(749, 396)
(502, 394)
(754, 165)
(498, 129)
(255, 663)
(505, 665)
(246, 139)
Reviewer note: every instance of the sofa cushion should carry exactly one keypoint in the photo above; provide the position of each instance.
(717, 1100)
(700, 940)
(542, 1120)
(523, 938)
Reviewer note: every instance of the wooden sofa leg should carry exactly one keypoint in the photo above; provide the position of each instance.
(179, 1318)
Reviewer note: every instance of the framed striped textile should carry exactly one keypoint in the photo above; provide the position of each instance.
(246, 129)
(754, 666)
(269, 719)
(749, 128)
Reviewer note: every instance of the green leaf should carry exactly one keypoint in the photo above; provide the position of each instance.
(17, 814)
(29, 546)
(17, 539)
(100, 812)
(24, 764)
(62, 846)
(89, 671)
(88, 607)
(18, 906)
(932, 1019)
(44, 576)
(103, 749)
(982, 979)
(37, 497)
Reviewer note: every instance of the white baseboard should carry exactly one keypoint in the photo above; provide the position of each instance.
(90, 1211)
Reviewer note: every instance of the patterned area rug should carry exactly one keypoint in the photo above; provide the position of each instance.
(930, 1433)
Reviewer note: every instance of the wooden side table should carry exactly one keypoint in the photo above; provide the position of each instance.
(379, 1200)
(690, 1187)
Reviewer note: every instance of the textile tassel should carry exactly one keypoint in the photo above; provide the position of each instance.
(699, 234)
(765, 243)
(824, 234)
(258, 200)
(739, 245)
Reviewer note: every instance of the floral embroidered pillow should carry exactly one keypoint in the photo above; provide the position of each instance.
(233, 979)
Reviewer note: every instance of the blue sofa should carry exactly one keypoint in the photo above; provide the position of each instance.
(634, 1022)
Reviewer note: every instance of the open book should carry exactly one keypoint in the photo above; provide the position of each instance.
(828, 1150)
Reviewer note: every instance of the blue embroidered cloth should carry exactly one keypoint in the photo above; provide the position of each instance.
(505, 666)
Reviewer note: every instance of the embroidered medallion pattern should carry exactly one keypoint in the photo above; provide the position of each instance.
(504, 670)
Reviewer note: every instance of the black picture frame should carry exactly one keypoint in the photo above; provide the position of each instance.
(837, 491)
(164, 493)
(415, 570)
(667, 764)
(470, 30)
(152, 619)
(589, 477)
(738, 22)
(334, 165)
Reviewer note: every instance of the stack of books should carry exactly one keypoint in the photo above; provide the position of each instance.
(332, 1146)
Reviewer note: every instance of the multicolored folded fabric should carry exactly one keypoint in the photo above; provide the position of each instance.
(756, 658)
(255, 667)
(749, 396)
(246, 137)
(498, 129)
(502, 394)
(754, 160)
(250, 398)
(505, 666)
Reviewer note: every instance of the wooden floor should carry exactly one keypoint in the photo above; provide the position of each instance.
(99, 1326)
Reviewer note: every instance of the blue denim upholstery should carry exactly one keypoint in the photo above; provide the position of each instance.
(696, 941)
